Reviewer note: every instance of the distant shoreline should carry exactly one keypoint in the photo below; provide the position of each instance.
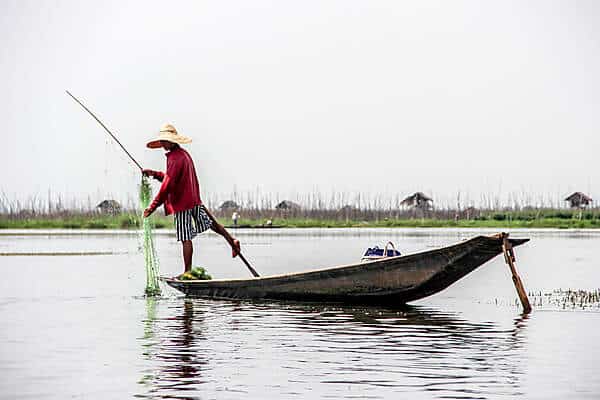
(131, 222)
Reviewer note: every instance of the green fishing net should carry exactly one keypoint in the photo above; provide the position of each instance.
(150, 259)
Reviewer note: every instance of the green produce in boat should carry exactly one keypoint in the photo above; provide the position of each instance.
(196, 273)
(200, 273)
(187, 276)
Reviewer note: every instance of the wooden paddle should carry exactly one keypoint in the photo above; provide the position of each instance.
(221, 229)
(252, 270)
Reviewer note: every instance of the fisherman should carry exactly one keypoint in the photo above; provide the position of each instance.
(180, 194)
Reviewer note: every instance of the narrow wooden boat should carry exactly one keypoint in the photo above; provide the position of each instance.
(391, 280)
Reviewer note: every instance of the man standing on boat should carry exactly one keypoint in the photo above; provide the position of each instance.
(180, 194)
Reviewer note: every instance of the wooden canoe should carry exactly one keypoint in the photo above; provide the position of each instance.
(391, 280)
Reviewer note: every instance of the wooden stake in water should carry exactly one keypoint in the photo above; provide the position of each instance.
(509, 257)
(150, 259)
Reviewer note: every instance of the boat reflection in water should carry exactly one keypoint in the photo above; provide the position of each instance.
(224, 349)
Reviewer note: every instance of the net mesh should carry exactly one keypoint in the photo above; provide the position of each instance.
(147, 239)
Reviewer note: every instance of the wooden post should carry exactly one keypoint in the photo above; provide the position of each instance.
(509, 257)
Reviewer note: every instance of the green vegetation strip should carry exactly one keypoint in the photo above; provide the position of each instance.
(557, 223)
(536, 218)
(131, 221)
(81, 221)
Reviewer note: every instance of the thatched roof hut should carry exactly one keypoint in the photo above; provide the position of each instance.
(418, 200)
(229, 205)
(579, 200)
(109, 207)
(287, 205)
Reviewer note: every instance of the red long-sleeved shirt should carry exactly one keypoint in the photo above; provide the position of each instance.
(180, 189)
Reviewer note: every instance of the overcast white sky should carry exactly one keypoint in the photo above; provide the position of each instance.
(288, 97)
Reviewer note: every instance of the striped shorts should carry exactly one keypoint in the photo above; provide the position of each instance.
(185, 229)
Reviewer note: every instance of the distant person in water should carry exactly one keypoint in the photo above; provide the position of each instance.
(180, 194)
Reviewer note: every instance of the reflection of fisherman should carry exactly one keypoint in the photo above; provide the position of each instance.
(234, 217)
(181, 361)
(180, 193)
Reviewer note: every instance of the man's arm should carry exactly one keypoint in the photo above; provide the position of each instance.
(168, 179)
(158, 175)
(161, 196)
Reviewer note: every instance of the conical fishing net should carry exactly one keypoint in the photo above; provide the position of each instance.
(150, 259)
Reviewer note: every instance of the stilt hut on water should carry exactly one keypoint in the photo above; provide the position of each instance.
(579, 200)
(287, 205)
(418, 200)
(229, 205)
(109, 207)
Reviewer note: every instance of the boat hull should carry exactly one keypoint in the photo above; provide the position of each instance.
(395, 280)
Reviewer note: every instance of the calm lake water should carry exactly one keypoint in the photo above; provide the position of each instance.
(74, 323)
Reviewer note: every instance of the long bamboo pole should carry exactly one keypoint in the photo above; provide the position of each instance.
(105, 128)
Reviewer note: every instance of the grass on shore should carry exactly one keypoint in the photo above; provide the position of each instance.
(82, 221)
(427, 223)
(132, 221)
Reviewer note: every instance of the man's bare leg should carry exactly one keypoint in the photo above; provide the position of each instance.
(188, 251)
(233, 242)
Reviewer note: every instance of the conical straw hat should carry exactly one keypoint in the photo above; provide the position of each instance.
(168, 133)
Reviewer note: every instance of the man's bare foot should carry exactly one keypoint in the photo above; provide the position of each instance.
(235, 248)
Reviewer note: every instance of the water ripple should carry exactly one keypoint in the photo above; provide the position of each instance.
(194, 347)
